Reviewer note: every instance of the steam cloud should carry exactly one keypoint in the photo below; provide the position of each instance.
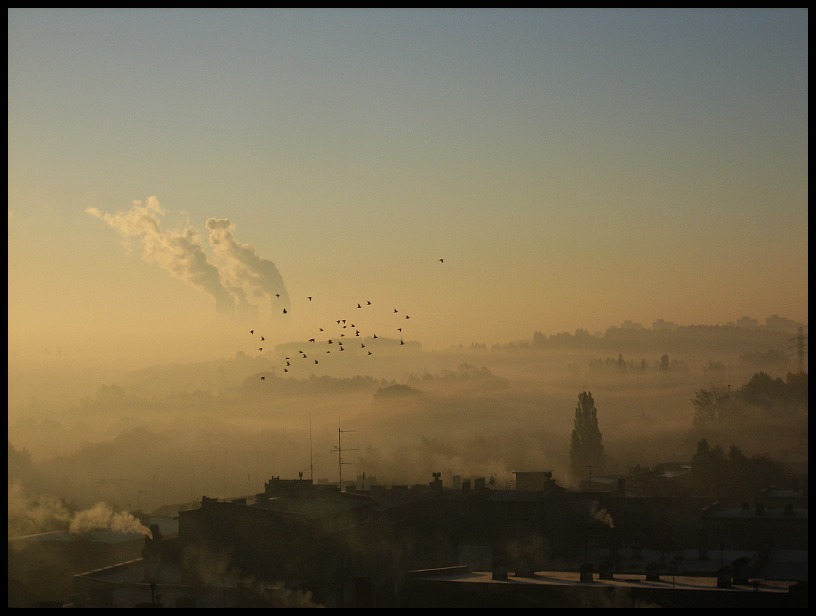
(28, 516)
(604, 517)
(244, 265)
(103, 517)
(181, 252)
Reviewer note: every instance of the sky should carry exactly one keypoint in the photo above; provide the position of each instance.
(177, 177)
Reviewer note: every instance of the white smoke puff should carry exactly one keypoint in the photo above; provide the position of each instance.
(179, 252)
(250, 271)
(102, 517)
(28, 516)
(604, 517)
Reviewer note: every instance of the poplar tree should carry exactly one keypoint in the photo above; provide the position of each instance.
(586, 449)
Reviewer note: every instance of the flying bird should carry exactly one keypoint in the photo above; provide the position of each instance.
(316, 361)
(441, 260)
(359, 306)
(310, 298)
(251, 331)
(262, 338)
(263, 378)
(284, 311)
(368, 303)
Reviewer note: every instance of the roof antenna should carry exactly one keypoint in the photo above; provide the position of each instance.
(339, 449)
(311, 457)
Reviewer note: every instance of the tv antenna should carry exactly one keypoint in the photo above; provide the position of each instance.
(340, 462)
(800, 348)
(311, 457)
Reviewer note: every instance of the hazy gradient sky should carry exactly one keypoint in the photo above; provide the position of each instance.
(574, 168)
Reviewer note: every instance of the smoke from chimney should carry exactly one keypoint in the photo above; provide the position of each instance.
(250, 271)
(179, 252)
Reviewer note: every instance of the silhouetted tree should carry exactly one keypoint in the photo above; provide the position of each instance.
(733, 476)
(708, 467)
(586, 448)
(709, 405)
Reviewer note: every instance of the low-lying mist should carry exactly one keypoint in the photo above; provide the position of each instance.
(172, 434)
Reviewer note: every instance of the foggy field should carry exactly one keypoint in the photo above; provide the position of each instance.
(175, 433)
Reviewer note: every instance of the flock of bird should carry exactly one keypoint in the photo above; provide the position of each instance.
(346, 335)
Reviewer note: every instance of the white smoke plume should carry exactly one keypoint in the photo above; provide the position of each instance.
(179, 252)
(250, 271)
(603, 516)
(103, 517)
(29, 515)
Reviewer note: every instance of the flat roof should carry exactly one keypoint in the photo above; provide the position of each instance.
(620, 580)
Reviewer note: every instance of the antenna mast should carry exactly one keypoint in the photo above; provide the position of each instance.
(311, 456)
(800, 348)
(340, 462)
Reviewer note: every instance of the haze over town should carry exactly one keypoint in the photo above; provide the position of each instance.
(195, 196)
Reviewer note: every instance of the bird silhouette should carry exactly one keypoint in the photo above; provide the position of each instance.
(262, 338)
(260, 348)
(316, 362)
(251, 331)
(263, 378)
(441, 260)
(311, 339)
(402, 341)
(310, 299)
(375, 335)
(395, 310)
(284, 311)
(370, 353)
(368, 303)
(359, 306)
